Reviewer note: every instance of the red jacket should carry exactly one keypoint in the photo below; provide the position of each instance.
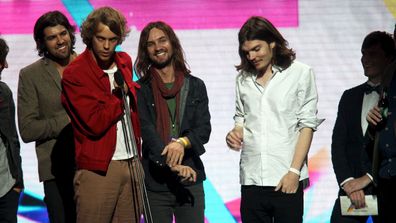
(94, 111)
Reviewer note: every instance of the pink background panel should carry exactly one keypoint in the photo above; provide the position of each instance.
(18, 17)
(205, 14)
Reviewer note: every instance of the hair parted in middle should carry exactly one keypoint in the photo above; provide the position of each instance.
(143, 61)
(107, 16)
(51, 19)
(259, 28)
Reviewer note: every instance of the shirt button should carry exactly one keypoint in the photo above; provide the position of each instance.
(387, 145)
(389, 160)
(386, 129)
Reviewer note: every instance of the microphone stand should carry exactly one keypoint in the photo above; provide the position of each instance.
(127, 128)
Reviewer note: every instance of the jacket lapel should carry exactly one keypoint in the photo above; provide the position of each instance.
(359, 106)
(53, 72)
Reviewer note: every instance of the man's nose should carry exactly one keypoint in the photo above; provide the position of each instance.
(106, 44)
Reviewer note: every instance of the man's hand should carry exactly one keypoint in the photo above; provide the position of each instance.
(174, 152)
(234, 138)
(357, 198)
(374, 116)
(17, 189)
(289, 183)
(125, 87)
(356, 184)
(186, 172)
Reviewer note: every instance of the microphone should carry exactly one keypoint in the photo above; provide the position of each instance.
(119, 79)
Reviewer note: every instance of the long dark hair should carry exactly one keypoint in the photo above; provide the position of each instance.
(143, 61)
(259, 28)
(51, 19)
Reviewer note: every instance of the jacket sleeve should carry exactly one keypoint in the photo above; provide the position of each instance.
(200, 128)
(92, 110)
(32, 125)
(339, 144)
(9, 135)
(151, 139)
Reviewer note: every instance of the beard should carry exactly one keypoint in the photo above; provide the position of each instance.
(160, 65)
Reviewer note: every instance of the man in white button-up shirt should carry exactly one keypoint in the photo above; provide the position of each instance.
(275, 118)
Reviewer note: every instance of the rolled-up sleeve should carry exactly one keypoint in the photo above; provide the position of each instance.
(307, 97)
(239, 117)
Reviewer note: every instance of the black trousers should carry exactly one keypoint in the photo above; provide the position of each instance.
(9, 207)
(59, 198)
(386, 200)
(187, 205)
(264, 205)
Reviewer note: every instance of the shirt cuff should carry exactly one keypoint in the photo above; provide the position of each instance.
(239, 121)
(313, 124)
(371, 177)
(345, 181)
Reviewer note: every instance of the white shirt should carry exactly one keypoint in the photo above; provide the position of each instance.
(271, 117)
(369, 101)
(120, 152)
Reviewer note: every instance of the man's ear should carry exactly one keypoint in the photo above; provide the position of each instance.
(272, 45)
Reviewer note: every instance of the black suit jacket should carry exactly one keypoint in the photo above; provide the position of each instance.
(195, 125)
(348, 147)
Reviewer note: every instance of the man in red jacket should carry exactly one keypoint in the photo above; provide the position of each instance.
(107, 182)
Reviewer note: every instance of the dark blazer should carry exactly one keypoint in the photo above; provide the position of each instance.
(195, 125)
(42, 119)
(348, 141)
(9, 133)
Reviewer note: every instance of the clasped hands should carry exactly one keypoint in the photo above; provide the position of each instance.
(354, 190)
(174, 153)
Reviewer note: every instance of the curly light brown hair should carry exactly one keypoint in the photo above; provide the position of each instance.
(107, 16)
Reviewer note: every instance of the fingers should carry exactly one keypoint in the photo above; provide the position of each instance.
(358, 199)
(174, 154)
(374, 116)
(279, 186)
(234, 140)
(288, 184)
(165, 151)
(179, 161)
(188, 174)
(347, 187)
(126, 88)
(173, 159)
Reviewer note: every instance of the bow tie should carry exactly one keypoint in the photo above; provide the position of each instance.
(368, 88)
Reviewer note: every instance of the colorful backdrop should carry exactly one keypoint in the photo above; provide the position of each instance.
(327, 35)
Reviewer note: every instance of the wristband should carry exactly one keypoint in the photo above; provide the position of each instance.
(179, 140)
(294, 170)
